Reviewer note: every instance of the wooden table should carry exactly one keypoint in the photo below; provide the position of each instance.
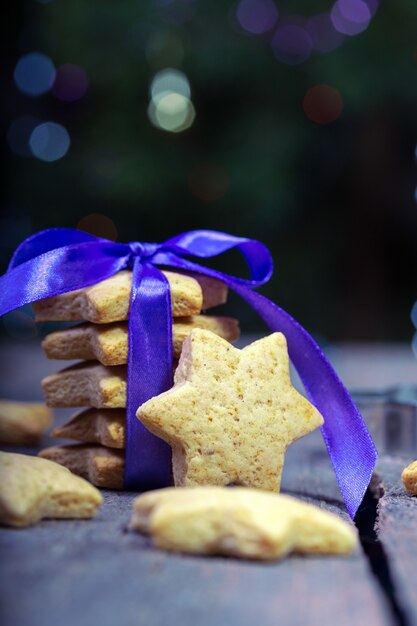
(79, 573)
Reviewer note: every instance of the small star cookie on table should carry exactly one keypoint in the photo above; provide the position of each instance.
(231, 414)
(409, 477)
(241, 522)
(32, 489)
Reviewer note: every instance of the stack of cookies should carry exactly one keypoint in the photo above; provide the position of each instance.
(99, 381)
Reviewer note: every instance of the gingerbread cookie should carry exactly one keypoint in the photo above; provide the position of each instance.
(32, 489)
(239, 522)
(108, 343)
(23, 422)
(103, 467)
(231, 413)
(109, 300)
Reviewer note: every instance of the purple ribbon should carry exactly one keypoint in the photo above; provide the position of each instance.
(58, 260)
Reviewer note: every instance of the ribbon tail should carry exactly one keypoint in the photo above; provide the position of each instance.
(150, 372)
(349, 444)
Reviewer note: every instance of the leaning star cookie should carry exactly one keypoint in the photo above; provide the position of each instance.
(109, 300)
(108, 343)
(32, 489)
(239, 522)
(104, 467)
(104, 426)
(23, 422)
(231, 413)
(409, 477)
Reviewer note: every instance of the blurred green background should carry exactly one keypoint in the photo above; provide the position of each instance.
(298, 128)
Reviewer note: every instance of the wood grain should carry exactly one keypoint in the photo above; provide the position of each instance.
(95, 572)
(397, 531)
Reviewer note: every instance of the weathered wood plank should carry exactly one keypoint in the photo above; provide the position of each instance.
(95, 572)
(73, 572)
(397, 531)
(308, 474)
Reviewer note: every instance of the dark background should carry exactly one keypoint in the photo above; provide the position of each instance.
(333, 199)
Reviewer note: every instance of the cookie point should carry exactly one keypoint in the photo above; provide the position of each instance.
(278, 338)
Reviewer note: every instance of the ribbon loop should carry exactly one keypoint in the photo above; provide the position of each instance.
(59, 260)
(145, 251)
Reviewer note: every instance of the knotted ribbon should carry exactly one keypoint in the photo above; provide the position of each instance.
(59, 260)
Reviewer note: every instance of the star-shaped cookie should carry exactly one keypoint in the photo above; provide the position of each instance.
(231, 413)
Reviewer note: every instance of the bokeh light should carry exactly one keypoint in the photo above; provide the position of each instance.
(323, 34)
(19, 134)
(208, 182)
(356, 11)
(173, 112)
(19, 325)
(350, 17)
(292, 44)
(49, 141)
(71, 82)
(323, 104)
(34, 74)
(372, 6)
(171, 108)
(98, 225)
(169, 81)
(257, 16)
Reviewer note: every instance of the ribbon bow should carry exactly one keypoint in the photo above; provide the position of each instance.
(58, 260)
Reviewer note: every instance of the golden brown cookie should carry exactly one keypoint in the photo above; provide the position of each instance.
(23, 422)
(87, 384)
(108, 301)
(108, 343)
(239, 522)
(103, 426)
(409, 477)
(32, 489)
(103, 467)
(231, 413)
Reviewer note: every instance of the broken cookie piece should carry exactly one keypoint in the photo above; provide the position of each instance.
(32, 489)
(240, 522)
